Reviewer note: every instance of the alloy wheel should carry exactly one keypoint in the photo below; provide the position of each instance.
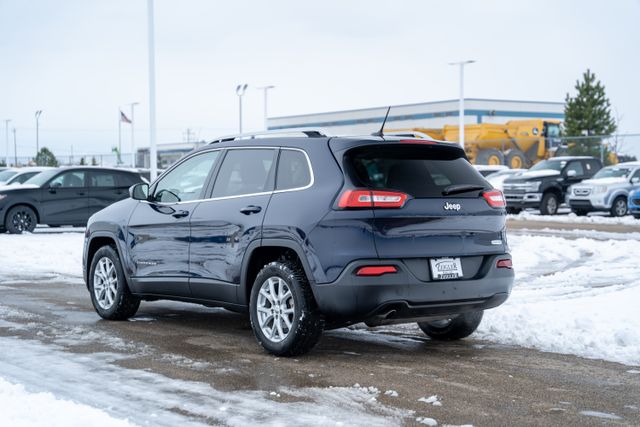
(275, 309)
(22, 221)
(105, 283)
(620, 208)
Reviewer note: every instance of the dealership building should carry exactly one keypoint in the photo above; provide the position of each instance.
(425, 115)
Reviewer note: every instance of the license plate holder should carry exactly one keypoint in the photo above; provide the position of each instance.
(446, 268)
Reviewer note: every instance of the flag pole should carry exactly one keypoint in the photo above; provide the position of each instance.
(119, 136)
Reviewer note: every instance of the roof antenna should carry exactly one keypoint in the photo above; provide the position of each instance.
(380, 133)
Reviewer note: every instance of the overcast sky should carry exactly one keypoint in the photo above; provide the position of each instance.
(79, 60)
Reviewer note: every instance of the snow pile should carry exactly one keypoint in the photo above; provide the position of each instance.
(149, 398)
(23, 409)
(58, 254)
(572, 218)
(572, 296)
(432, 400)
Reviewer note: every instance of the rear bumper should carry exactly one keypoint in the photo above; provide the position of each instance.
(403, 296)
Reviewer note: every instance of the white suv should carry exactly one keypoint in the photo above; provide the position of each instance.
(606, 191)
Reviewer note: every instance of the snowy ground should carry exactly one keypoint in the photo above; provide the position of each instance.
(576, 294)
(572, 295)
(571, 218)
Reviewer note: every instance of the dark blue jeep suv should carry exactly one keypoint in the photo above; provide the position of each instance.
(308, 232)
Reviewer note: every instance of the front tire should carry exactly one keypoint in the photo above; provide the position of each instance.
(110, 293)
(619, 207)
(549, 204)
(284, 315)
(452, 329)
(21, 219)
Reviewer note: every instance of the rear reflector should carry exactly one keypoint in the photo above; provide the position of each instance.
(495, 198)
(367, 199)
(504, 263)
(376, 270)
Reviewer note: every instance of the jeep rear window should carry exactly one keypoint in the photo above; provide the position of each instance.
(420, 171)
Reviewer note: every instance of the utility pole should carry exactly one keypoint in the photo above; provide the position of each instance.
(153, 150)
(38, 113)
(461, 64)
(6, 137)
(15, 149)
(240, 90)
(265, 89)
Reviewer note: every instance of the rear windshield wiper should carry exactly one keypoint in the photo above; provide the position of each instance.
(461, 188)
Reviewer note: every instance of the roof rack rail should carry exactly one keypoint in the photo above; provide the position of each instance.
(308, 132)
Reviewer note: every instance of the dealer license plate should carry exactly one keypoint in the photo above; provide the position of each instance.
(445, 268)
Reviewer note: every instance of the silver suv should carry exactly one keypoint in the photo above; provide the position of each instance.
(607, 191)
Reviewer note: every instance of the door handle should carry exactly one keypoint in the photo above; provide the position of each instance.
(251, 209)
(82, 193)
(180, 214)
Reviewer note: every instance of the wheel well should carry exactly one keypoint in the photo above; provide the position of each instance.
(95, 244)
(555, 191)
(22, 204)
(262, 256)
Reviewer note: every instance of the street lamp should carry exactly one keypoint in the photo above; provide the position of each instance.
(133, 145)
(461, 64)
(265, 89)
(153, 150)
(38, 113)
(6, 137)
(240, 90)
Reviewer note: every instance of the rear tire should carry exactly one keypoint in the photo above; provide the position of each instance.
(108, 287)
(513, 211)
(619, 207)
(21, 219)
(580, 212)
(452, 329)
(549, 204)
(490, 156)
(636, 216)
(284, 315)
(516, 159)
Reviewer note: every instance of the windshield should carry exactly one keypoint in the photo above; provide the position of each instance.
(613, 172)
(418, 171)
(553, 130)
(555, 165)
(5, 175)
(41, 178)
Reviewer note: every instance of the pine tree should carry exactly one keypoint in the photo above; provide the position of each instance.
(94, 162)
(46, 158)
(588, 113)
(83, 162)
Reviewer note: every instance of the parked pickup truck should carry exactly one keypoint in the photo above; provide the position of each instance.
(607, 191)
(545, 185)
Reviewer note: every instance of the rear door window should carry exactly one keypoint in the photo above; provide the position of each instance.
(293, 170)
(103, 179)
(245, 171)
(420, 171)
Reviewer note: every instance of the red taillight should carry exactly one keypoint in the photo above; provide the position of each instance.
(367, 199)
(504, 263)
(495, 198)
(376, 270)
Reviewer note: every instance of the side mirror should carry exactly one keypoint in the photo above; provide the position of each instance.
(571, 173)
(55, 185)
(139, 191)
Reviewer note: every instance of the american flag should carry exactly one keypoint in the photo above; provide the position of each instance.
(124, 118)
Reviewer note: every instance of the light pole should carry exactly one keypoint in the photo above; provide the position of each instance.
(38, 113)
(153, 150)
(133, 144)
(461, 64)
(6, 137)
(240, 90)
(265, 89)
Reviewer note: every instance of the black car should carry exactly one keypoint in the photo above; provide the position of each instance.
(545, 185)
(63, 196)
(309, 233)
